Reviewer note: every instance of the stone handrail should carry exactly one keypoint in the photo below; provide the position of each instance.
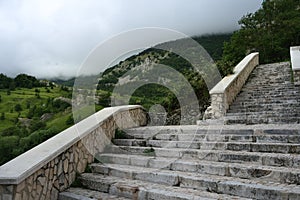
(224, 93)
(51, 167)
(295, 60)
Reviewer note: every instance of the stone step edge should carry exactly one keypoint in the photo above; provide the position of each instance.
(282, 175)
(219, 128)
(116, 141)
(289, 139)
(267, 159)
(285, 148)
(136, 189)
(220, 185)
(86, 194)
(131, 160)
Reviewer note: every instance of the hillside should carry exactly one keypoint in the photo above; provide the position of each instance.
(32, 111)
(30, 116)
(151, 94)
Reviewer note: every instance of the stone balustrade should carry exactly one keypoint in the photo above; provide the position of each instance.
(51, 167)
(295, 60)
(224, 93)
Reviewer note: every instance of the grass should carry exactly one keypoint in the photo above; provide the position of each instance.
(149, 152)
(59, 121)
(16, 136)
(26, 98)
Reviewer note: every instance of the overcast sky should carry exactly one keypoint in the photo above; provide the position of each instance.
(51, 38)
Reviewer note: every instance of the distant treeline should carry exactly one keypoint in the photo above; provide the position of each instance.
(21, 81)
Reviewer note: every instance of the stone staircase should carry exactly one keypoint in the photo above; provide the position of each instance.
(192, 162)
(239, 161)
(268, 97)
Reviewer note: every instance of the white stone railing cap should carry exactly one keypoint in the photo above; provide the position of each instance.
(227, 80)
(295, 58)
(29, 162)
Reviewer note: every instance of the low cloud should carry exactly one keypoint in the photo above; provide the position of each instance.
(52, 38)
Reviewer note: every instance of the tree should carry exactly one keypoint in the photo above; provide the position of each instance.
(7, 146)
(26, 81)
(18, 108)
(271, 31)
(37, 125)
(32, 112)
(5, 81)
(2, 116)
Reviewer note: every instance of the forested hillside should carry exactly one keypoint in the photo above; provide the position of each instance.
(31, 111)
(152, 94)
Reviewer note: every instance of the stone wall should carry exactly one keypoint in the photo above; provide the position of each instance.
(296, 75)
(51, 167)
(224, 93)
(295, 60)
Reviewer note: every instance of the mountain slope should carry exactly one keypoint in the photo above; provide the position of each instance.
(136, 71)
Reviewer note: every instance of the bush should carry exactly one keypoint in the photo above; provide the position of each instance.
(18, 108)
(11, 131)
(60, 105)
(2, 116)
(70, 120)
(8, 146)
(37, 125)
(36, 138)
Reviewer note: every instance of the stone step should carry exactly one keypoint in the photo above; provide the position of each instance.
(239, 170)
(255, 188)
(154, 131)
(215, 138)
(267, 97)
(264, 78)
(269, 89)
(256, 83)
(262, 121)
(86, 194)
(267, 159)
(270, 112)
(136, 189)
(260, 113)
(223, 138)
(237, 110)
(228, 138)
(264, 114)
(205, 145)
(267, 102)
(245, 119)
(271, 92)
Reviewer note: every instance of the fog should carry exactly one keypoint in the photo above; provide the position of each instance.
(52, 38)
